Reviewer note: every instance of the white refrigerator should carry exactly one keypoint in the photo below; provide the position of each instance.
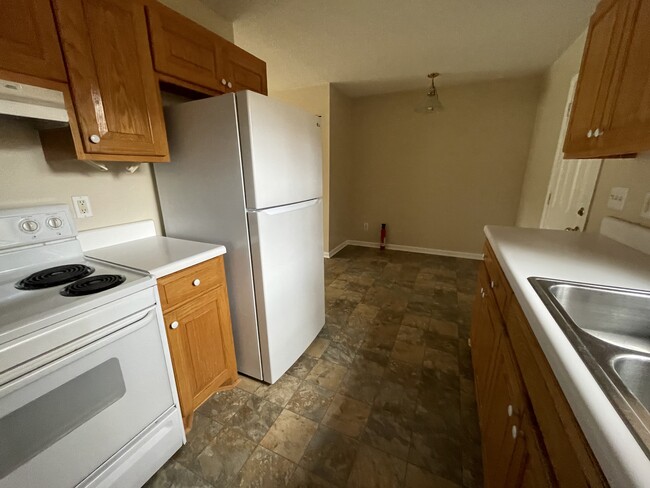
(246, 172)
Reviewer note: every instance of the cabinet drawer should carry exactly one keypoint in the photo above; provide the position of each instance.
(498, 281)
(190, 282)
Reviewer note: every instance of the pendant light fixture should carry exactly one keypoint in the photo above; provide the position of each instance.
(430, 102)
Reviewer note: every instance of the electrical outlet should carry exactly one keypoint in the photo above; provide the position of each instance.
(82, 208)
(365, 226)
(645, 210)
(617, 196)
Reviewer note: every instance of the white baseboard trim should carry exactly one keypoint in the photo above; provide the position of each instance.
(332, 252)
(399, 247)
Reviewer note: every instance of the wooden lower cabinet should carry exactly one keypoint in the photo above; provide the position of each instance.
(530, 437)
(199, 332)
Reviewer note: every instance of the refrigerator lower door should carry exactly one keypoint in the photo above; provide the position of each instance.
(287, 253)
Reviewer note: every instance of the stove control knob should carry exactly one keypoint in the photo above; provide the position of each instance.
(29, 226)
(54, 222)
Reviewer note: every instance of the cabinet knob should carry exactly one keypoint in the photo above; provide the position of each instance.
(196, 282)
(590, 134)
(514, 431)
(482, 293)
(229, 84)
(510, 410)
(223, 81)
(174, 325)
(94, 138)
(492, 284)
(597, 133)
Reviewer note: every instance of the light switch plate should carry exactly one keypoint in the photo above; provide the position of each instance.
(645, 210)
(617, 197)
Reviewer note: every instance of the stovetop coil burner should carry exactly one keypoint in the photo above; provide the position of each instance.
(92, 284)
(59, 275)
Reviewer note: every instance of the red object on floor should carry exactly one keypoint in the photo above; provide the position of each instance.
(382, 239)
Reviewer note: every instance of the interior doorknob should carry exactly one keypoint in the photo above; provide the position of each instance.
(581, 211)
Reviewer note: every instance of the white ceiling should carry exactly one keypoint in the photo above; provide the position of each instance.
(380, 46)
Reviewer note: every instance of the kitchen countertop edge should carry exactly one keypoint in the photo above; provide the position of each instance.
(184, 254)
(621, 458)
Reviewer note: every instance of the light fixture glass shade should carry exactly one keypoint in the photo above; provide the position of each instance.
(429, 103)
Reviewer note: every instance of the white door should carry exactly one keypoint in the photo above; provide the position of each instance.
(572, 184)
(281, 152)
(288, 271)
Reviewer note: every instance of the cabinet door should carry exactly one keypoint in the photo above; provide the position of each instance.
(626, 122)
(185, 50)
(115, 93)
(485, 335)
(246, 72)
(596, 73)
(503, 410)
(529, 466)
(201, 346)
(28, 40)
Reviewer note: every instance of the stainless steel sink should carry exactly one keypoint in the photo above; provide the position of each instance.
(610, 330)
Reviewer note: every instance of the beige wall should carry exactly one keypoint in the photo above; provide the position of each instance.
(628, 173)
(27, 179)
(342, 139)
(116, 197)
(437, 179)
(548, 122)
(202, 14)
(316, 100)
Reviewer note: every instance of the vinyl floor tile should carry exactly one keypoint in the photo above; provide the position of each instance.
(383, 397)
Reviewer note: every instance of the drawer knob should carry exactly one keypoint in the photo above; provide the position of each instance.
(229, 84)
(514, 431)
(174, 325)
(510, 410)
(223, 81)
(196, 282)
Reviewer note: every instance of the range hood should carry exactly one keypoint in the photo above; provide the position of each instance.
(34, 102)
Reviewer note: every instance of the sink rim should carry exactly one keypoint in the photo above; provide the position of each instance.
(598, 356)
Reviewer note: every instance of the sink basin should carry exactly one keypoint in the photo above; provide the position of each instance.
(620, 317)
(610, 330)
(634, 372)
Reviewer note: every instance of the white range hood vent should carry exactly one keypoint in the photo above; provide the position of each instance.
(33, 102)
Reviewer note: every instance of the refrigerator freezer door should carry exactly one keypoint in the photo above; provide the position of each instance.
(281, 152)
(287, 250)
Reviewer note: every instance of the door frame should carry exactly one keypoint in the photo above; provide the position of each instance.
(559, 157)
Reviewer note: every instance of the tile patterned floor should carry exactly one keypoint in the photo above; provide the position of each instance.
(384, 397)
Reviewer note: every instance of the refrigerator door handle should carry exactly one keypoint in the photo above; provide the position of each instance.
(286, 208)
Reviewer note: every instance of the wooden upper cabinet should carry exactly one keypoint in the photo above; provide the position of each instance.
(114, 89)
(184, 50)
(626, 118)
(596, 73)
(611, 109)
(245, 71)
(28, 40)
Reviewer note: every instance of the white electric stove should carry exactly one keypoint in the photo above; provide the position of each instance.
(87, 395)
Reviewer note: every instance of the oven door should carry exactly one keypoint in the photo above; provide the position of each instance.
(61, 421)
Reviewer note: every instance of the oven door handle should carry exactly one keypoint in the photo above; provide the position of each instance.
(30, 371)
